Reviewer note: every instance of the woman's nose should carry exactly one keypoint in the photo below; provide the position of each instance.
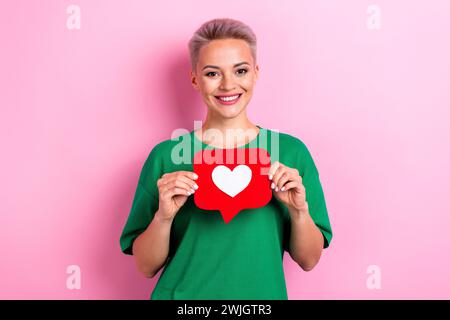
(227, 83)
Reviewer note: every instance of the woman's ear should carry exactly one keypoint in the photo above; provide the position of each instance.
(256, 72)
(193, 80)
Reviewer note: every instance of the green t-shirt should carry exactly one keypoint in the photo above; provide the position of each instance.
(209, 259)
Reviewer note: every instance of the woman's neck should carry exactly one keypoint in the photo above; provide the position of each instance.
(227, 133)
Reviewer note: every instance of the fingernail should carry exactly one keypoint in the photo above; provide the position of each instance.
(192, 191)
(195, 176)
(272, 185)
(188, 193)
(270, 177)
(282, 189)
(195, 186)
(276, 189)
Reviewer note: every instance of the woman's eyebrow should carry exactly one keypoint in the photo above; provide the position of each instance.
(236, 65)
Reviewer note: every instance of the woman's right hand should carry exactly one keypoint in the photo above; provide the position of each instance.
(174, 189)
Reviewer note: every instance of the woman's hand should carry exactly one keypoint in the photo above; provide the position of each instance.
(288, 186)
(174, 189)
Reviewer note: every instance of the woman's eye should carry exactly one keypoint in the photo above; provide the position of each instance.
(213, 73)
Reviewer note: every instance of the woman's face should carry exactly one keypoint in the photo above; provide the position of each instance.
(225, 68)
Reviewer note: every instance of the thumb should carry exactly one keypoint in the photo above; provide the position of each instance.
(180, 200)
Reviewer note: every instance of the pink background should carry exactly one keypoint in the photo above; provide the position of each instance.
(81, 109)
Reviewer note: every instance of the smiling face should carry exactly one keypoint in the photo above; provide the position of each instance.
(225, 68)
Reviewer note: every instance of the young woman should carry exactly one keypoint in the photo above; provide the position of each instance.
(205, 258)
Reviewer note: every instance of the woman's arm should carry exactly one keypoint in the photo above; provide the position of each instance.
(151, 247)
(306, 242)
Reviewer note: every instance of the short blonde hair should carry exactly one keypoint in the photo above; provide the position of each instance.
(220, 28)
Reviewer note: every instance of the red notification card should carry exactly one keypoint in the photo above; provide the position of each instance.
(231, 180)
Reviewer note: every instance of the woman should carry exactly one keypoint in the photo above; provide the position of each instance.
(205, 258)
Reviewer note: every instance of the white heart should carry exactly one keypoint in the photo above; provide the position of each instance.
(232, 182)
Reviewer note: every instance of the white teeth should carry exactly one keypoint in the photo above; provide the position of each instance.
(229, 98)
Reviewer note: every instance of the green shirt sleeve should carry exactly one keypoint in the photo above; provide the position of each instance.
(314, 193)
(145, 202)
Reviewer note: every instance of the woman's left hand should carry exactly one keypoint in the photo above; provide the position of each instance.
(288, 187)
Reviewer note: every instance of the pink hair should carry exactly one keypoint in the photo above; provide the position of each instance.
(220, 28)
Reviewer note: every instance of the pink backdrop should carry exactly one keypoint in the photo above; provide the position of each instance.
(81, 109)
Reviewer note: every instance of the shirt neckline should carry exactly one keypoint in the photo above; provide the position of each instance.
(213, 147)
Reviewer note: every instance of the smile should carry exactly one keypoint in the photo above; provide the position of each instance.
(228, 100)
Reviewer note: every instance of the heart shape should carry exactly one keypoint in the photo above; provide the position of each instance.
(232, 182)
